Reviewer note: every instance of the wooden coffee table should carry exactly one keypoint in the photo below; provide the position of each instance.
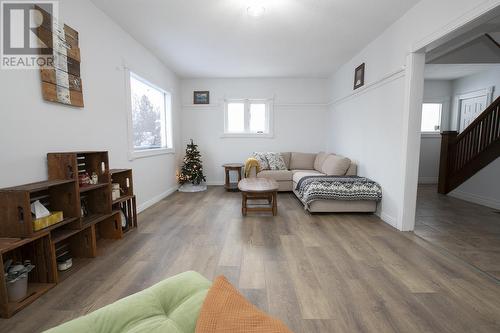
(259, 188)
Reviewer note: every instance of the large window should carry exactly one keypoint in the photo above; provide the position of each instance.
(248, 118)
(150, 118)
(431, 117)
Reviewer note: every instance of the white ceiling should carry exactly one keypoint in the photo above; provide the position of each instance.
(216, 38)
(456, 71)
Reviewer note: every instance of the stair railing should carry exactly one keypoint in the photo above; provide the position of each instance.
(463, 154)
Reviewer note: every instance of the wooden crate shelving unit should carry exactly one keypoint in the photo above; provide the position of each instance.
(15, 206)
(95, 198)
(82, 235)
(37, 249)
(127, 201)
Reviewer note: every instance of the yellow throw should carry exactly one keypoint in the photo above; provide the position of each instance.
(249, 164)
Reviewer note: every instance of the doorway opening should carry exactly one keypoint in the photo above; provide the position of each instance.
(459, 168)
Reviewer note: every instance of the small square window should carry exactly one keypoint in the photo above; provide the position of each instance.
(431, 117)
(248, 118)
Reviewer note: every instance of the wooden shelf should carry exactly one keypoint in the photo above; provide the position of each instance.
(87, 188)
(78, 263)
(61, 234)
(115, 171)
(58, 225)
(39, 186)
(122, 199)
(94, 218)
(8, 244)
(35, 290)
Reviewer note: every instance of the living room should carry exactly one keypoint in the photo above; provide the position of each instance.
(326, 94)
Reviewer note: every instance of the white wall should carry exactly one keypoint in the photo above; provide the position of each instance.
(435, 91)
(479, 81)
(31, 127)
(484, 187)
(300, 115)
(380, 107)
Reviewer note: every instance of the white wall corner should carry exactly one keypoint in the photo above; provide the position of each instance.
(412, 118)
(389, 219)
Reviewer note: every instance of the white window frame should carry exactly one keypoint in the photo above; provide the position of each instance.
(434, 133)
(132, 152)
(247, 134)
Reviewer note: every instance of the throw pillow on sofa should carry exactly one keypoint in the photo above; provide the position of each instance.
(335, 165)
(320, 159)
(302, 161)
(261, 158)
(276, 161)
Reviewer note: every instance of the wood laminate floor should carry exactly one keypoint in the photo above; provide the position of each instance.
(320, 273)
(466, 230)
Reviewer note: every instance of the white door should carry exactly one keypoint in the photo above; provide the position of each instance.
(470, 108)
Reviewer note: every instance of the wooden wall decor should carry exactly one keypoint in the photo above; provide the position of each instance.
(61, 81)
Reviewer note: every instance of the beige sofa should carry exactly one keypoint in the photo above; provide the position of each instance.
(300, 165)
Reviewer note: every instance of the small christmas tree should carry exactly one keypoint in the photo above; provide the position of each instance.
(192, 170)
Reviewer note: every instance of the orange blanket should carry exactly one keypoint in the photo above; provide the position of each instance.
(225, 310)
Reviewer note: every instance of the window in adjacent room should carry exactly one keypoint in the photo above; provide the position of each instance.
(150, 118)
(431, 117)
(248, 118)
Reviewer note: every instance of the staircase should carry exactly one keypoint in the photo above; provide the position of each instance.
(464, 154)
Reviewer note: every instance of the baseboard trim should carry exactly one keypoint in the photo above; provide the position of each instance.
(428, 180)
(145, 205)
(390, 220)
(477, 199)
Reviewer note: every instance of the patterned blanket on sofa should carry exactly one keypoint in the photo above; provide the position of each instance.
(350, 188)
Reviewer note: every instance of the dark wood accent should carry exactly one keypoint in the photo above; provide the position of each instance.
(464, 154)
(49, 93)
(49, 76)
(87, 188)
(65, 56)
(38, 250)
(76, 234)
(259, 189)
(110, 228)
(237, 167)
(15, 206)
(125, 179)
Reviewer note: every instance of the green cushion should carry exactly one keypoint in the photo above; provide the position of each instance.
(172, 305)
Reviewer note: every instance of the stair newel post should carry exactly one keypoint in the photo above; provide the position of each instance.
(448, 145)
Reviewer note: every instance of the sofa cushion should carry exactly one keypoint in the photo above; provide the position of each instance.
(286, 157)
(302, 161)
(299, 174)
(335, 165)
(353, 169)
(275, 161)
(319, 160)
(261, 158)
(278, 175)
(172, 305)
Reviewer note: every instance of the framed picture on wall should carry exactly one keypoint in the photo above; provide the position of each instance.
(201, 97)
(359, 76)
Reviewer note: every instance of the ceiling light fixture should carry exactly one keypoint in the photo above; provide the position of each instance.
(256, 11)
